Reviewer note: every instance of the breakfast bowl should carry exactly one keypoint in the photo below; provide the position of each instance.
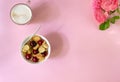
(35, 49)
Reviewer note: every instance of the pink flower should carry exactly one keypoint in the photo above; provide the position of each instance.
(102, 9)
(97, 4)
(109, 5)
(101, 16)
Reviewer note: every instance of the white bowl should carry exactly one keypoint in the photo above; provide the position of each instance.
(49, 48)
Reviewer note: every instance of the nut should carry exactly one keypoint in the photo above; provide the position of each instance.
(36, 38)
(41, 49)
(36, 47)
(45, 45)
(29, 51)
(25, 48)
(40, 57)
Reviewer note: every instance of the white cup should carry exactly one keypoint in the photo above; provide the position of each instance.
(21, 13)
(49, 48)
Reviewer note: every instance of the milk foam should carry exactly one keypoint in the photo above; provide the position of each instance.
(21, 14)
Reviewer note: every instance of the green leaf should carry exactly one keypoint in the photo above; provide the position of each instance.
(104, 25)
(118, 11)
(116, 17)
(112, 20)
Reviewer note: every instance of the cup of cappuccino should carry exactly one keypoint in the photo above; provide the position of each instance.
(21, 13)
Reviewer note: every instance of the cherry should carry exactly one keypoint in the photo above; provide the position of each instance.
(35, 51)
(33, 43)
(40, 42)
(35, 59)
(28, 56)
(44, 53)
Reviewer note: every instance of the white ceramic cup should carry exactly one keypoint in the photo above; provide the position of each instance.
(49, 48)
(21, 13)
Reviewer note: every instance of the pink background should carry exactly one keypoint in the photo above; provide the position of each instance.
(80, 52)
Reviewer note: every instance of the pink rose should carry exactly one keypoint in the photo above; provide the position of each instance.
(97, 4)
(102, 12)
(109, 5)
(101, 16)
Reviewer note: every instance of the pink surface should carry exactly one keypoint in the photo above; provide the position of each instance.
(80, 52)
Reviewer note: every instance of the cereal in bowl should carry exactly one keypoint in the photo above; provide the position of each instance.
(35, 50)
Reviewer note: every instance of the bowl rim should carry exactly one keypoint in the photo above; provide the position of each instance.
(46, 40)
(26, 6)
